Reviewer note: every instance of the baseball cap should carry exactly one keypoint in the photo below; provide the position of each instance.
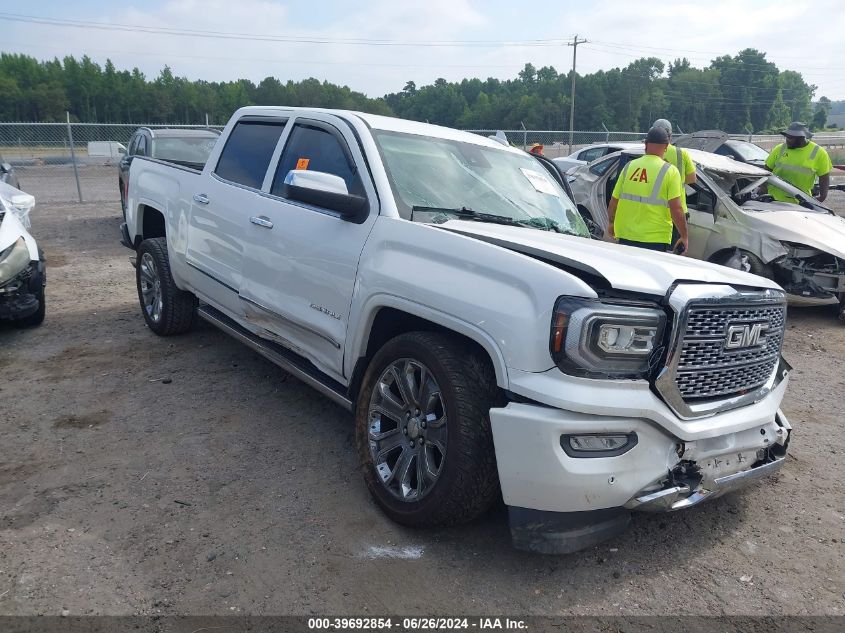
(664, 123)
(657, 135)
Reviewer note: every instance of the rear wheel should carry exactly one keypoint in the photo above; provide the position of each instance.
(423, 430)
(167, 310)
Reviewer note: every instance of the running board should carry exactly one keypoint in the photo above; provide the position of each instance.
(284, 358)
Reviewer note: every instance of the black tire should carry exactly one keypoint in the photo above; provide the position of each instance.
(757, 267)
(122, 199)
(177, 309)
(37, 317)
(468, 482)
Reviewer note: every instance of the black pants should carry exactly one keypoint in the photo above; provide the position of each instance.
(652, 246)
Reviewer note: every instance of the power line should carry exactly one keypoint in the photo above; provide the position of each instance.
(294, 39)
(257, 59)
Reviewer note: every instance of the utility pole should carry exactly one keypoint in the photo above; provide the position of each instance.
(574, 44)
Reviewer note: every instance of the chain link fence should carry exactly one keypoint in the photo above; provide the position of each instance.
(73, 162)
(557, 143)
(69, 162)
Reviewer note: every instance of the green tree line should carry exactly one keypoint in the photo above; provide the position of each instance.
(740, 93)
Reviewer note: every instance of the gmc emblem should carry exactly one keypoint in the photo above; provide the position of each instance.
(747, 335)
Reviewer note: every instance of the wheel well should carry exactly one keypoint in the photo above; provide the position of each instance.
(719, 256)
(153, 223)
(390, 323)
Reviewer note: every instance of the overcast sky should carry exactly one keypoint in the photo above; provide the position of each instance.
(493, 35)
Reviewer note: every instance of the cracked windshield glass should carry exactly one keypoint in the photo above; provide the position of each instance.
(436, 180)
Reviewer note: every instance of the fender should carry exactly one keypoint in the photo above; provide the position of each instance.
(358, 340)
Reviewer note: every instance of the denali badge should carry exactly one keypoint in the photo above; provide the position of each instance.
(747, 335)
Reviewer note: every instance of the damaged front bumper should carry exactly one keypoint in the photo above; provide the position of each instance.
(811, 277)
(561, 502)
(692, 482)
(19, 296)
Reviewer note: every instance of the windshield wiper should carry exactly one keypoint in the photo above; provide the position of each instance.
(546, 224)
(465, 213)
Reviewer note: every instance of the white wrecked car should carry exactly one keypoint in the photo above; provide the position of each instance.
(800, 246)
(22, 269)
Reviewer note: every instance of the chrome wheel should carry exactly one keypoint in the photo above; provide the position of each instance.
(407, 429)
(151, 295)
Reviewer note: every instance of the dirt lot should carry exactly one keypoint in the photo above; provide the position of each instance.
(141, 475)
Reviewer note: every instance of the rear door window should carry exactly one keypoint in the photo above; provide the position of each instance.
(592, 154)
(249, 148)
(317, 148)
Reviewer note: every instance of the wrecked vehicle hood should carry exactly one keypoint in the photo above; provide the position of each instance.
(11, 229)
(624, 267)
(15, 206)
(820, 230)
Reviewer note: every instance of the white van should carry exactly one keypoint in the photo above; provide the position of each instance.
(111, 150)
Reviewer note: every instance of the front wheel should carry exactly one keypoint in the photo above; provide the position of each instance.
(167, 310)
(37, 317)
(423, 430)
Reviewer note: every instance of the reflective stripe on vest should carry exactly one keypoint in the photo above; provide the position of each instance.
(654, 198)
(798, 169)
(679, 158)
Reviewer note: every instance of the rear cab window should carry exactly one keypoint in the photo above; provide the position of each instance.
(249, 148)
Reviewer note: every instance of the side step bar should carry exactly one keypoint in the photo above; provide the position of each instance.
(287, 360)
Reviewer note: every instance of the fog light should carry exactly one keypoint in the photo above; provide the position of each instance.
(598, 445)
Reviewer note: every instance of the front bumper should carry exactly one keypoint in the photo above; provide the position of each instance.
(19, 296)
(560, 503)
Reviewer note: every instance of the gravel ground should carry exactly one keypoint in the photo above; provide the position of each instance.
(141, 475)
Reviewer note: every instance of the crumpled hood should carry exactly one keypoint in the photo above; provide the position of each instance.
(820, 230)
(11, 229)
(624, 267)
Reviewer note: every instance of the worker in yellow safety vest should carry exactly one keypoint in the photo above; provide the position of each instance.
(798, 161)
(646, 200)
(680, 158)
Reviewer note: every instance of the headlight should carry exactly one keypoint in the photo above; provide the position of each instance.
(597, 339)
(13, 260)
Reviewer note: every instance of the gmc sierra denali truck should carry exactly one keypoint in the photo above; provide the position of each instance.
(443, 288)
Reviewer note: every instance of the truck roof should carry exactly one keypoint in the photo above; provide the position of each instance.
(183, 133)
(386, 123)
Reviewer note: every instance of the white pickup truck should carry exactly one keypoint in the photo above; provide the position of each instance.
(443, 288)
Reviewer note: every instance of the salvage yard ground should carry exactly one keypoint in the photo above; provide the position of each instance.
(142, 475)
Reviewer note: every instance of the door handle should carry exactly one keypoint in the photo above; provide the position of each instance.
(201, 198)
(262, 221)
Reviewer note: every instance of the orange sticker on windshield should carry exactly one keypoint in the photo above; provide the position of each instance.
(302, 163)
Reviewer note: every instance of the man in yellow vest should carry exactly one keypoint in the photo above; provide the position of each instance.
(646, 200)
(798, 161)
(680, 158)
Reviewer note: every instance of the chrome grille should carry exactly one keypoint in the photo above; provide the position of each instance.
(707, 369)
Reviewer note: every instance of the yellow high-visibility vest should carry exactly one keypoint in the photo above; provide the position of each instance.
(644, 189)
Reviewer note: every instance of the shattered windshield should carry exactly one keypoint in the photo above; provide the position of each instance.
(437, 179)
(747, 191)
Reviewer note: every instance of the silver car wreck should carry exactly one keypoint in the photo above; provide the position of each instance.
(800, 246)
